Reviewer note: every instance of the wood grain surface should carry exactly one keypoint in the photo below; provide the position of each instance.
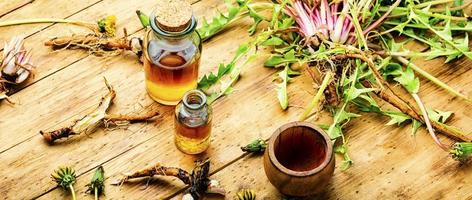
(389, 163)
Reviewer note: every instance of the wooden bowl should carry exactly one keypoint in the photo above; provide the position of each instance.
(299, 159)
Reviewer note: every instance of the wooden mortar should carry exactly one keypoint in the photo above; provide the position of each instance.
(299, 159)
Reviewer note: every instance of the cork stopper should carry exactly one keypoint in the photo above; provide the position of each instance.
(173, 15)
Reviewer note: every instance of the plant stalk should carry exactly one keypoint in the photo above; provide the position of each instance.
(317, 97)
(46, 20)
(95, 191)
(432, 78)
(428, 122)
(72, 192)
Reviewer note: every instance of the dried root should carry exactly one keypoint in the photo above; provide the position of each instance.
(197, 180)
(15, 67)
(97, 44)
(95, 119)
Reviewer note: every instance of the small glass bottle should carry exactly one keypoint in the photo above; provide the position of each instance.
(172, 50)
(193, 123)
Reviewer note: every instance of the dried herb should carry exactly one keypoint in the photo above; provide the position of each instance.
(246, 194)
(97, 118)
(65, 178)
(256, 146)
(96, 185)
(16, 66)
(197, 180)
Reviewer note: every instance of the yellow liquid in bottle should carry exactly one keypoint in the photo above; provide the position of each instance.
(192, 140)
(171, 74)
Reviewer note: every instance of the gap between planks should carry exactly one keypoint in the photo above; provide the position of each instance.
(16, 8)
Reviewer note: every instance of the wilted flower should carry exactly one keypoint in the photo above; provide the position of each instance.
(16, 65)
(107, 25)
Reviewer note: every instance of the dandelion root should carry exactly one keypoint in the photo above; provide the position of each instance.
(95, 119)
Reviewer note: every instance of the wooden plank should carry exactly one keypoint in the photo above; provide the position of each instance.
(49, 63)
(158, 141)
(75, 85)
(10, 6)
(38, 9)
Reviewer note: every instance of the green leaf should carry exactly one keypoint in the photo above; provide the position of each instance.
(409, 81)
(207, 30)
(415, 126)
(208, 80)
(365, 103)
(276, 60)
(445, 34)
(273, 41)
(439, 116)
(282, 88)
(343, 150)
(334, 131)
(397, 118)
(257, 20)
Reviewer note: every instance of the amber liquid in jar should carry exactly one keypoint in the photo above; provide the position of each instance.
(171, 70)
(192, 123)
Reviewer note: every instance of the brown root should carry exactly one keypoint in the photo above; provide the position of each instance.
(96, 43)
(157, 169)
(52, 136)
(400, 105)
(114, 118)
(96, 118)
(197, 180)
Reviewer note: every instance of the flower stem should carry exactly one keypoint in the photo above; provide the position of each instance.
(72, 191)
(316, 99)
(428, 122)
(46, 20)
(432, 78)
(95, 191)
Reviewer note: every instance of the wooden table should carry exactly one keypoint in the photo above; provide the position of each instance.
(390, 163)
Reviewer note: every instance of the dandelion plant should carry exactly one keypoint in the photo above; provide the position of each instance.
(65, 178)
(96, 185)
(353, 46)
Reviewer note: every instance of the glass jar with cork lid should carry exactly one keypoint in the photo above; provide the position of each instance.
(172, 50)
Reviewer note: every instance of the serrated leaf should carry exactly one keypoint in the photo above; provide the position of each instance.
(439, 116)
(397, 118)
(409, 81)
(209, 29)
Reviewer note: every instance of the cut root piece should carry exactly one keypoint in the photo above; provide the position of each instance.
(197, 180)
(97, 118)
